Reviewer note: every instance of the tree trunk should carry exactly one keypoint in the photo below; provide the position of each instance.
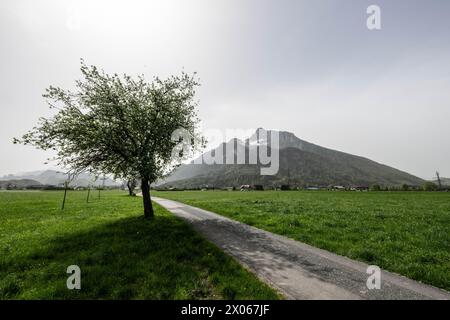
(148, 208)
(131, 184)
(89, 192)
(65, 193)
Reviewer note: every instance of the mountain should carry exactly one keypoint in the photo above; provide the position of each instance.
(55, 178)
(301, 164)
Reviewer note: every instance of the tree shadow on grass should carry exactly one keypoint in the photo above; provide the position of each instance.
(133, 259)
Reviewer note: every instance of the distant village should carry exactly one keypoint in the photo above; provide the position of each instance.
(428, 186)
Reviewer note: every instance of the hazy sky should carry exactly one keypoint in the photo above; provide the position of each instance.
(309, 67)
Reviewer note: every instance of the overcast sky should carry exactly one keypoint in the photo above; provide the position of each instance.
(309, 67)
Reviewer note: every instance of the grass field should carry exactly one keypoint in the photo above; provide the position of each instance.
(121, 255)
(404, 232)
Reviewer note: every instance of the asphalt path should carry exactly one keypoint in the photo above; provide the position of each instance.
(295, 269)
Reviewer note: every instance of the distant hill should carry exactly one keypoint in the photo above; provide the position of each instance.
(301, 164)
(445, 182)
(56, 178)
(18, 184)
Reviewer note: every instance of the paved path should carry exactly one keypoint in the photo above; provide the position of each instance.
(297, 270)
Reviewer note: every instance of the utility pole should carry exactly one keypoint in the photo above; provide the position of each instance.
(439, 180)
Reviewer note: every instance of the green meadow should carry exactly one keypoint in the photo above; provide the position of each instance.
(121, 255)
(403, 232)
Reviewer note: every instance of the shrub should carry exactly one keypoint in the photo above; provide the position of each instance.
(375, 187)
(430, 186)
